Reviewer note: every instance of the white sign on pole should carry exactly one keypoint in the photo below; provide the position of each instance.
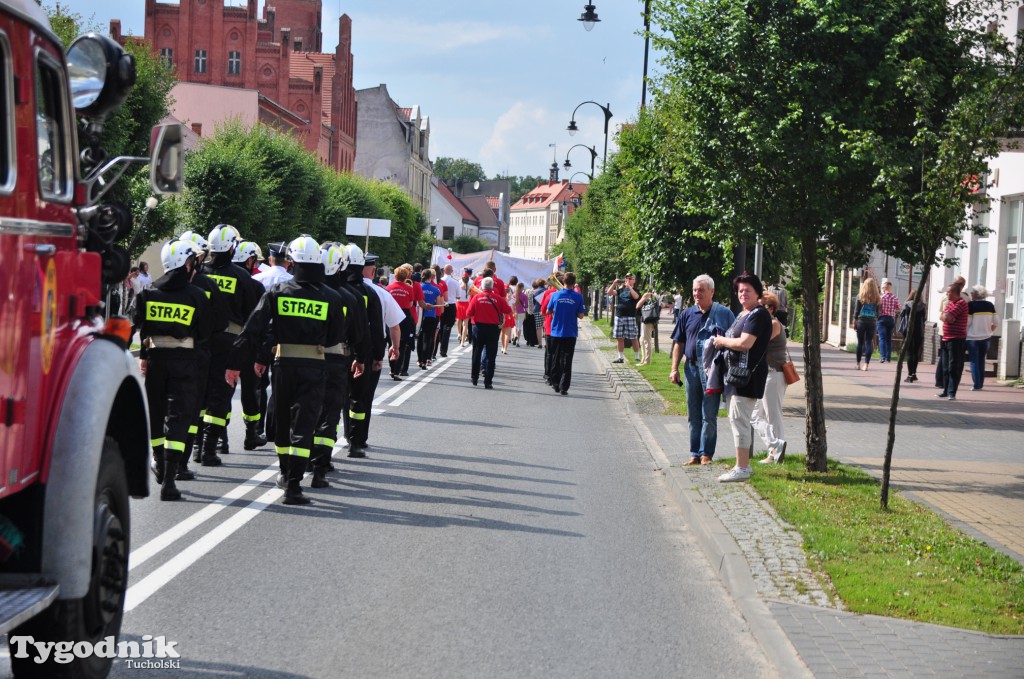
(363, 226)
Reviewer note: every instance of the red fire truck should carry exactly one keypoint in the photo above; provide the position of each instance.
(74, 435)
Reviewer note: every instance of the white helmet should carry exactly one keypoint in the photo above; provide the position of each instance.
(333, 258)
(304, 250)
(245, 250)
(201, 245)
(223, 238)
(354, 254)
(175, 253)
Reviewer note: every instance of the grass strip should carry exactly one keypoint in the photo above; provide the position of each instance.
(905, 563)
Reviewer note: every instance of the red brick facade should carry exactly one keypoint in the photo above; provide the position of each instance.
(217, 45)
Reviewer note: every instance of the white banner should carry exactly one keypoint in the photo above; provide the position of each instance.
(526, 270)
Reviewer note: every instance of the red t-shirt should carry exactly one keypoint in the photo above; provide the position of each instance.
(483, 312)
(543, 307)
(403, 294)
(499, 285)
(955, 326)
(443, 287)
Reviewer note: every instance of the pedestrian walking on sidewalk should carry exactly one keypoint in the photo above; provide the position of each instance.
(650, 312)
(767, 416)
(694, 327)
(954, 318)
(913, 334)
(866, 315)
(982, 320)
(888, 308)
(751, 334)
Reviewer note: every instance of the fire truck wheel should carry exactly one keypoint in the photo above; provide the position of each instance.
(98, 614)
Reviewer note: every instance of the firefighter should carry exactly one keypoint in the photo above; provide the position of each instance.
(173, 316)
(351, 355)
(242, 299)
(305, 316)
(276, 271)
(384, 316)
(247, 256)
(219, 312)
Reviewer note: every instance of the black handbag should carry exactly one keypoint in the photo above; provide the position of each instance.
(738, 374)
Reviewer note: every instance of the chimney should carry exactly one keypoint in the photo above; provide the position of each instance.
(197, 128)
(115, 30)
(286, 34)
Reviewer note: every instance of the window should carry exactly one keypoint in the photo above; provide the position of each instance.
(448, 231)
(52, 129)
(234, 63)
(7, 160)
(167, 56)
(298, 45)
(200, 65)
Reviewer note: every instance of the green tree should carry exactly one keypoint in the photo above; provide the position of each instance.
(595, 235)
(771, 101)
(451, 170)
(464, 244)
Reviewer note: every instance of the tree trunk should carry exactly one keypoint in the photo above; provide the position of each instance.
(887, 465)
(817, 444)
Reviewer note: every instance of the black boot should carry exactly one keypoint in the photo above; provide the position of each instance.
(222, 443)
(184, 473)
(321, 454)
(282, 476)
(211, 436)
(197, 443)
(293, 493)
(168, 491)
(158, 464)
(253, 439)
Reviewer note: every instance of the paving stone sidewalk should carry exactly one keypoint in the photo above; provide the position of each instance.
(761, 558)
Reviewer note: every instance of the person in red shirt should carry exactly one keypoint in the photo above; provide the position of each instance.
(405, 295)
(499, 285)
(548, 354)
(954, 338)
(486, 311)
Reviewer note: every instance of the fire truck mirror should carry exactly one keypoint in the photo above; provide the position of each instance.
(165, 169)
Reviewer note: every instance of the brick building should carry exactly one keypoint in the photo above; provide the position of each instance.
(300, 89)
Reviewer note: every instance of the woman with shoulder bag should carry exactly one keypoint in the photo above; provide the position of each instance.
(767, 416)
(750, 334)
(650, 310)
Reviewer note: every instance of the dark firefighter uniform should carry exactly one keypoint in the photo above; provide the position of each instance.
(306, 316)
(173, 317)
(235, 283)
(339, 359)
(219, 313)
(362, 388)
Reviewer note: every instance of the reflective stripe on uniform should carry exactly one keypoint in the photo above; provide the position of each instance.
(323, 441)
(194, 429)
(300, 452)
(175, 445)
(282, 450)
(210, 419)
(251, 418)
(356, 416)
(156, 442)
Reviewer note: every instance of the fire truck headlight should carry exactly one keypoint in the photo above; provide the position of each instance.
(101, 74)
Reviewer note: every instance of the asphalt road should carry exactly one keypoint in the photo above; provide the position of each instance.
(504, 533)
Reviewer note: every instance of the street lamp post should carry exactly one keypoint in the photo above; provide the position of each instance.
(593, 156)
(607, 116)
(589, 17)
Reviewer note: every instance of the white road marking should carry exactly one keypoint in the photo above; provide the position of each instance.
(146, 587)
(169, 537)
(433, 373)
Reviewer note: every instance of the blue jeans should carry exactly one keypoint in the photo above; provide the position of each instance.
(952, 363)
(885, 326)
(977, 350)
(702, 412)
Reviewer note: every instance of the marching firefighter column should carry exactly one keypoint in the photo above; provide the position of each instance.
(173, 316)
(306, 316)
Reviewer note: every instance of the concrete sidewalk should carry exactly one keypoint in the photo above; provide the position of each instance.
(963, 458)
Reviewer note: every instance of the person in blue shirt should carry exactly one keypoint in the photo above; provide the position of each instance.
(694, 327)
(428, 326)
(565, 307)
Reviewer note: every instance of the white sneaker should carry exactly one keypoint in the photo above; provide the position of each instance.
(735, 474)
(769, 459)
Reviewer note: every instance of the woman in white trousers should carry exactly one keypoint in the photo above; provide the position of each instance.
(767, 416)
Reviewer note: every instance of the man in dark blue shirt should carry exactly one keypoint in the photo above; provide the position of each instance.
(565, 308)
(695, 325)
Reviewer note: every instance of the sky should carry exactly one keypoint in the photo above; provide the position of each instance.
(498, 80)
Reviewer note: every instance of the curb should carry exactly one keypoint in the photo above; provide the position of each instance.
(718, 544)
